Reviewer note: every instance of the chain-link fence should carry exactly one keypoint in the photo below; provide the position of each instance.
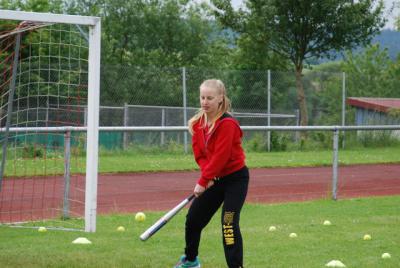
(138, 96)
(169, 97)
(248, 90)
(149, 96)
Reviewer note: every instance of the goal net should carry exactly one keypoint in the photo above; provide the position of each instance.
(49, 67)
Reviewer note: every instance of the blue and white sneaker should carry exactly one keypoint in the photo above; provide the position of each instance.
(183, 263)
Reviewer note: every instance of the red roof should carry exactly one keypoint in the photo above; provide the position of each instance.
(376, 104)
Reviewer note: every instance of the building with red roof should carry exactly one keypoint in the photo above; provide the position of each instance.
(375, 111)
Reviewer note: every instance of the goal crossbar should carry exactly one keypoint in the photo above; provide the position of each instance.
(48, 17)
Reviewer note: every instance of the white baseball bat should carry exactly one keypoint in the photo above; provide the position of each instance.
(164, 219)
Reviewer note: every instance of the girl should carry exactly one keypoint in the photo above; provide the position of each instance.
(224, 179)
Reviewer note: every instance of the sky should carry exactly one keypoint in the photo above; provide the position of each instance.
(388, 3)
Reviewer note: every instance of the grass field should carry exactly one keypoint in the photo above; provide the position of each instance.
(112, 162)
(315, 245)
(122, 161)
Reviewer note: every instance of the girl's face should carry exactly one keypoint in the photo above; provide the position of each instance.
(210, 100)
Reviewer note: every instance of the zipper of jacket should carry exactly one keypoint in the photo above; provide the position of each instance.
(212, 132)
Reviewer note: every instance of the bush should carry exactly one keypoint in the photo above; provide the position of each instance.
(377, 138)
(257, 143)
(278, 142)
(32, 151)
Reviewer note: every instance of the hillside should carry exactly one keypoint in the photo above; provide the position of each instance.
(388, 39)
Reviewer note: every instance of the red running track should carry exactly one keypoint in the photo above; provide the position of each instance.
(34, 198)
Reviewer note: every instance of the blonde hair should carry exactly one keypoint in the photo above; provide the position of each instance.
(224, 107)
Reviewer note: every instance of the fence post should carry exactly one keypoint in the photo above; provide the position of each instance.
(85, 116)
(343, 106)
(67, 177)
(47, 111)
(162, 138)
(269, 110)
(297, 133)
(185, 137)
(335, 163)
(9, 106)
(126, 121)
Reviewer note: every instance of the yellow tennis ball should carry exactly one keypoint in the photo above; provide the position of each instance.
(42, 229)
(140, 216)
(121, 229)
(367, 237)
(293, 235)
(326, 222)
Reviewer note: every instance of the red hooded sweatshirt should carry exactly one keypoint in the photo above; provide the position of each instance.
(220, 152)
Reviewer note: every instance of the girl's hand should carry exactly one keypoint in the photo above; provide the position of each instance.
(198, 189)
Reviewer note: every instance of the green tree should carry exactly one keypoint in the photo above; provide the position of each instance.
(32, 5)
(146, 33)
(324, 85)
(41, 43)
(152, 33)
(396, 6)
(368, 74)
(304, 29)
(372, 73)
(160, 34)
(397, 23)
(156, 33)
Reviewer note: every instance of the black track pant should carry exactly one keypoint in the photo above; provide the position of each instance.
(230, 190)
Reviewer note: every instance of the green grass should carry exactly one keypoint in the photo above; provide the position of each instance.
(315, 245)
(324, 157)
(165, 162)
(122, 162)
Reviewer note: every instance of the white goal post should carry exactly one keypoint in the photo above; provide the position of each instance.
(93, 96)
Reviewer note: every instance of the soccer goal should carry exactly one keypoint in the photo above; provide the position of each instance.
(50, 68)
